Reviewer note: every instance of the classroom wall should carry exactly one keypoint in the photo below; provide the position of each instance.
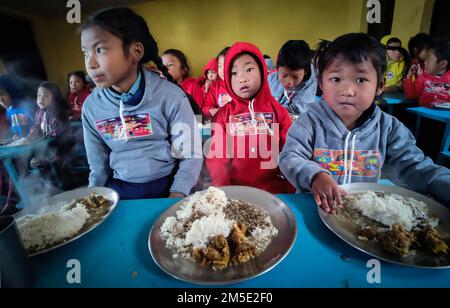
(201, 28)
(411, 17)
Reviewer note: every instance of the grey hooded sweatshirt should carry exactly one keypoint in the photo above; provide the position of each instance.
(319, 142)
(161, 136)
(305, 93)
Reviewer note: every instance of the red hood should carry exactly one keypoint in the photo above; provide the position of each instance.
(264, 95)
(211, 65)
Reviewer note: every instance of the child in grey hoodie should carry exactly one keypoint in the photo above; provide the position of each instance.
(346, 138)
(294, 84)
(139, 129)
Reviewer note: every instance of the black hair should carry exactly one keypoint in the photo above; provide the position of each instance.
(59, 106)
(79, 74)
(441, 49)
(8, 86)
(393, 40)
(295, 55)
(266, 57)
(353, 47)
(223, 52)
(181, 57)
(129, 27)
(418, 43)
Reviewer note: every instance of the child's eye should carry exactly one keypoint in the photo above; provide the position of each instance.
(233, 73)
(250, 69)
(100, 49)
(361, 80)
(335, 79)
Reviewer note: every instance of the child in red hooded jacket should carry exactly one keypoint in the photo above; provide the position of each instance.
(217, 96)
(210, 75)
(250, 131)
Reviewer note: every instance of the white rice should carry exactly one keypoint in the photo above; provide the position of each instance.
(208, 206)
(42, 230)
(391, 209)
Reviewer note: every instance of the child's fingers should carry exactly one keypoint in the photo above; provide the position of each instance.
(317, 199)
(324, 202)
(330, 200)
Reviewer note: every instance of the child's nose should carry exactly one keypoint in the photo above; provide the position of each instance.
(92, 62)
(348, 90)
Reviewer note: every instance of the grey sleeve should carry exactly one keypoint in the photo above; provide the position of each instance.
(407, 165)
(296, 159)
(97, 154)
(186, 146)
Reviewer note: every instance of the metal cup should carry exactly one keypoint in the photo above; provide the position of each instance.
(15, 267)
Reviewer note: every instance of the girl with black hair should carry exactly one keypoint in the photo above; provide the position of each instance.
(51, 119)
(79, 91)
(176, 63)
(346, 138)
(139, 131)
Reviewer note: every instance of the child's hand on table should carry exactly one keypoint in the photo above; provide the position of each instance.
(327, 193)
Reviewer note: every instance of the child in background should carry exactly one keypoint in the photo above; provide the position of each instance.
(139, 130)
(433, 86)
(178, 68)
(294, 85)
(269, 63)
(217, 96)
(209, 75)
(251, 129)
(396, 65)
(19, 119)
(418, 47)
(51, 119)
(79, 91)
(346, 138)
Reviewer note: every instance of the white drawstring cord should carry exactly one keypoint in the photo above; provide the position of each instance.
(345, 156)
(122, 119)
(252, 112)
(351, 159)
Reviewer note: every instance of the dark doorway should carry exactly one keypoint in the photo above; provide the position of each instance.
(440, 22)
(19, 53)
(387, 15)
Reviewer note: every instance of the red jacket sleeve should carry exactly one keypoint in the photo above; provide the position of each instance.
(197, 94)
(413, 89)
(217, 163)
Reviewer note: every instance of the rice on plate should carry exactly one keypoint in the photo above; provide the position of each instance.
(216, 231)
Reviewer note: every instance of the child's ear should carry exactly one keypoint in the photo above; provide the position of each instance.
(380, 87)
(137, 51)
(443, 64)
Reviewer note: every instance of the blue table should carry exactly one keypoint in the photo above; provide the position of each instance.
(7, 154)
(116, 254)
(437, 115)
(397, 98)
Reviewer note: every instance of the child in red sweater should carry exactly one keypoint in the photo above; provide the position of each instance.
(250, 131)
(217, 95)
(434, 85)
(176, 63)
